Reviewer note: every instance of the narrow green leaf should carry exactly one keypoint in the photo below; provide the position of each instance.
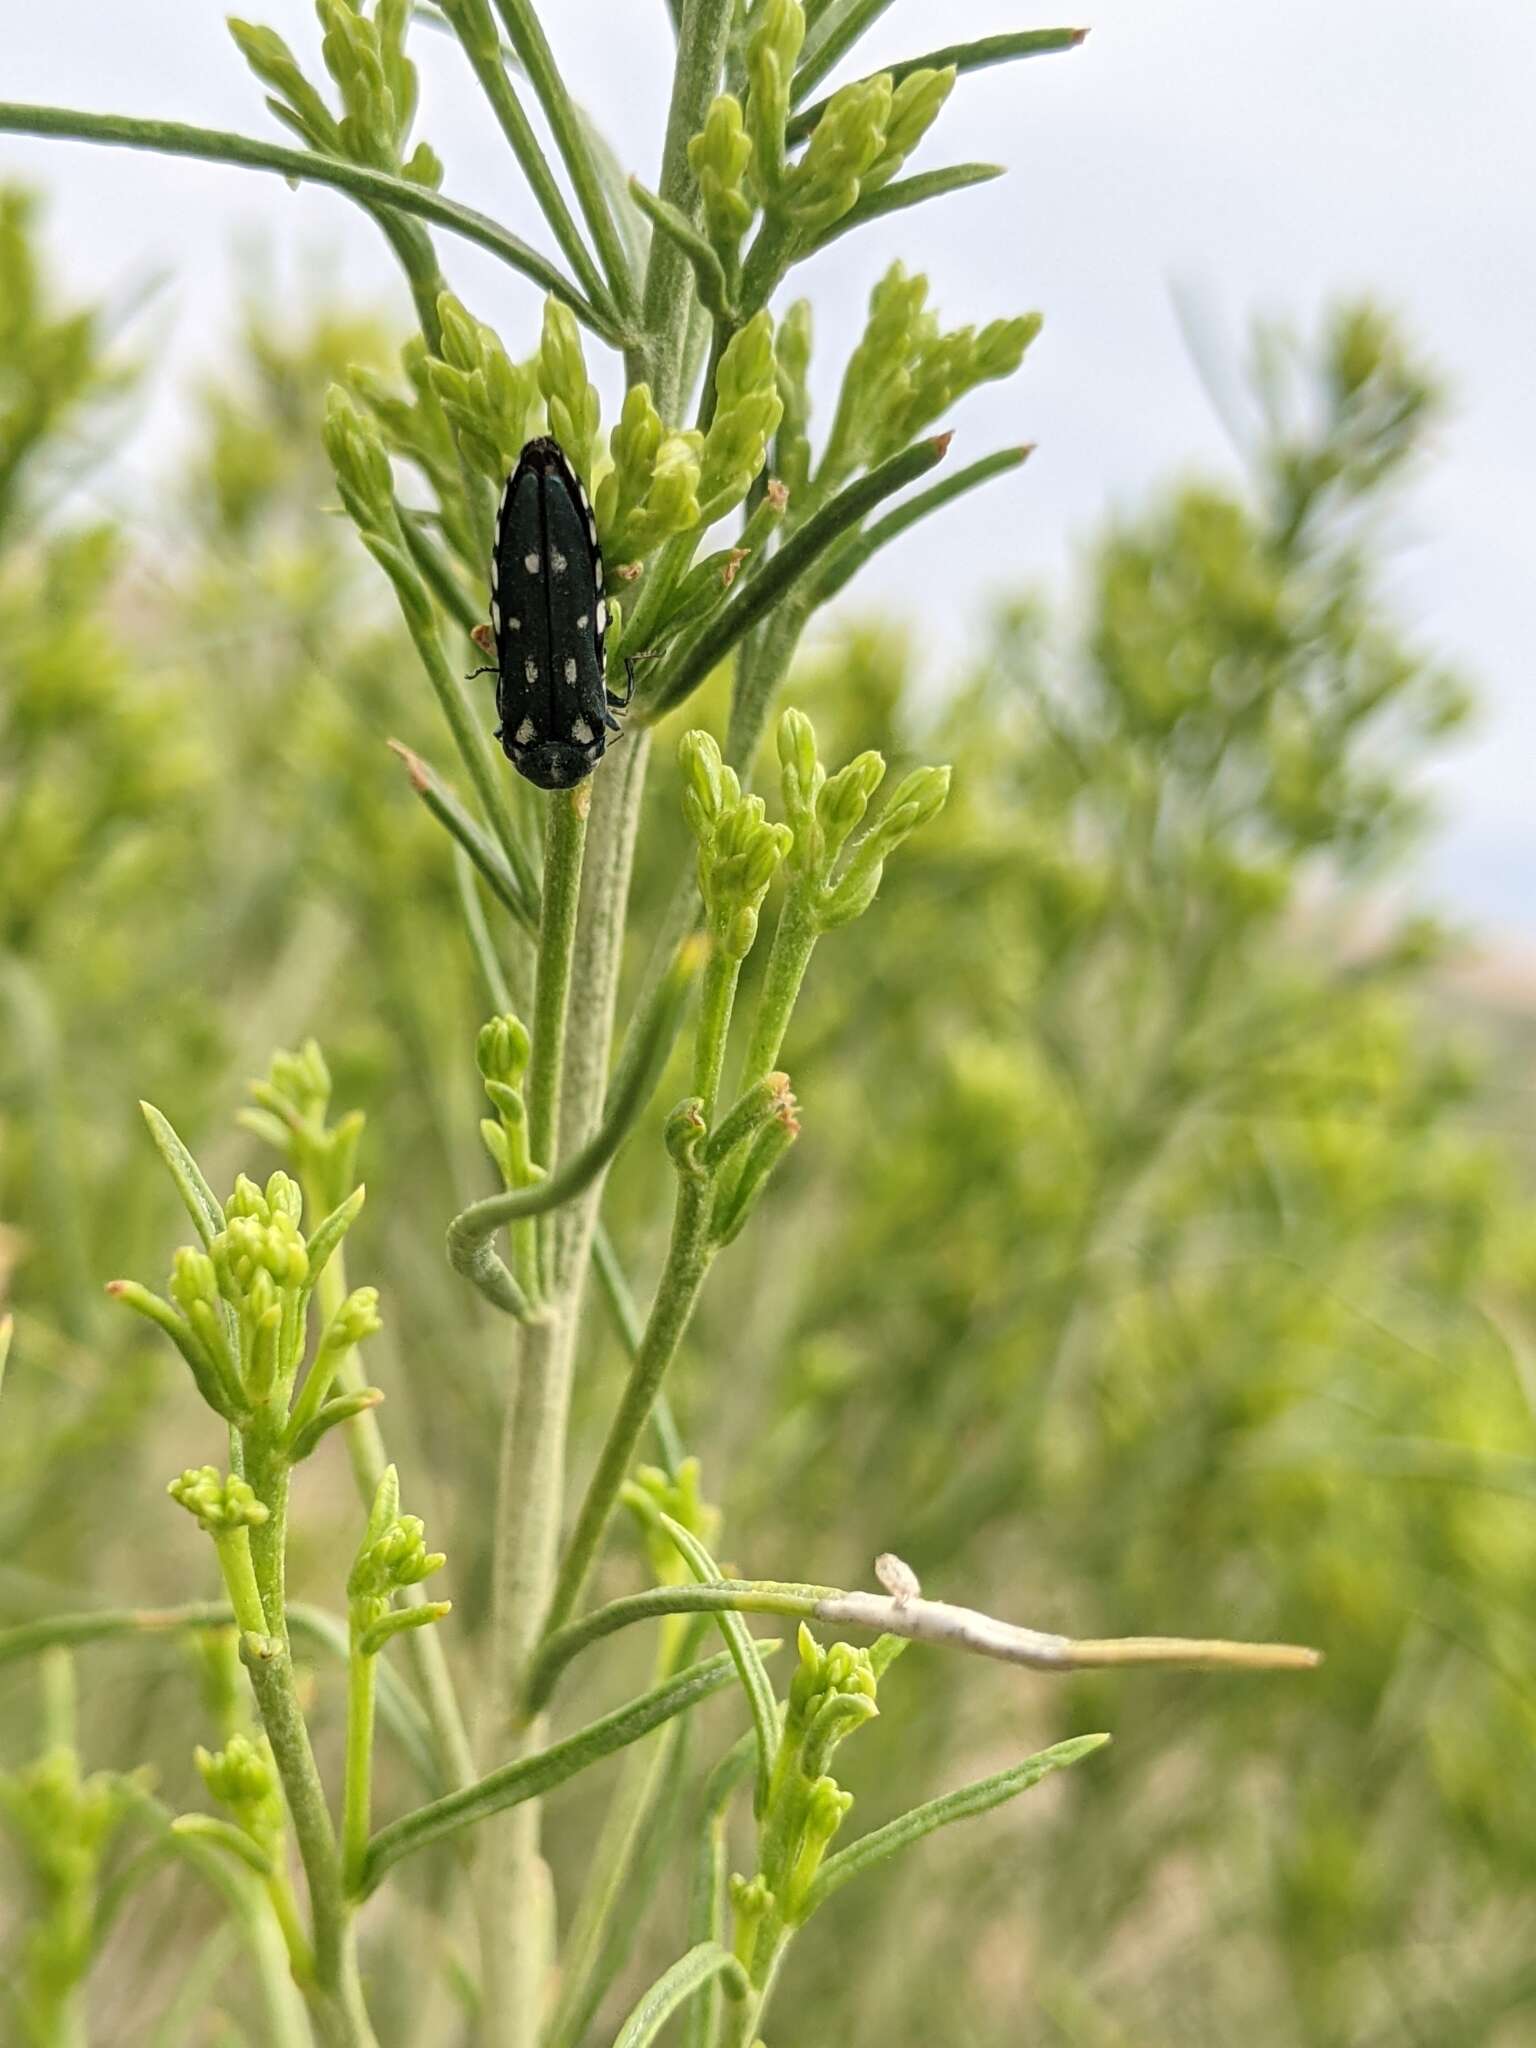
(908, 1828)
(742, 1645)
(201, 1202)
(905, 192)
(7, 1331)
(372, 188)
(532, 1776)
(707, 267)
(506, 885)
(690, 1973)
(764, 585)
(975, 56)
(326, 1236)
(855, 552)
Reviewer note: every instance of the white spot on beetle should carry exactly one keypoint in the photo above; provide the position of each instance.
(557, 562)
(495, 614)
(581, 733)
(570, 668)
(506, 492)
(524, 733)
(597, 572)
(583, 622)
(602, 615)
(531, 563)
(531, 669)
(514, 625)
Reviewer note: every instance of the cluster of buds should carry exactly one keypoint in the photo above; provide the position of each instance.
(292, 1107)
(392, 1557)
(653, 1493)
(242, 1778)
(651, 492)
(825, 812)
(831, 1694)
(492, 404)
(570, 398)
(502, 1051)
(375, 81)
(747, 412)
(238, 1312)
(906, 372)
(861, 139)
(739, 851)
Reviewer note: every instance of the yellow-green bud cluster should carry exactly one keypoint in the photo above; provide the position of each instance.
(719, 155)
(652, 490)
(826, 811)
(570, 398)
(491, 403)
(392, 1556)
(682, 1499)
(502, 1052)
(739, 851)
(748, 408)
(291, 1115)
(771, 53)
(220, 1501)
(242, 1778)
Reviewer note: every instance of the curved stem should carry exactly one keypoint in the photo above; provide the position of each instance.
(372, 188)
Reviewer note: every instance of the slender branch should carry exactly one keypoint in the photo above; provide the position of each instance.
(531, 1776)
(357, 1791)
(918, 1620)
(372, 188)
(472, 23)
(526, 36)
(903, 193)
(688, 1259)
(564, 844)
(702, 37)
(763, 588)
(476, 843)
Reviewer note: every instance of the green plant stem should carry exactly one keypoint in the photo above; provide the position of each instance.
(794, 941)
(476, 30)
(688, 1260)
(357, 1795)
(564, 845)
(234, 1552)
(368, 1457)
(526, 36)
(716, 1003)
(528, 1777)
(336, 1997)
(475, 843)
(669, 285)
(374, 189)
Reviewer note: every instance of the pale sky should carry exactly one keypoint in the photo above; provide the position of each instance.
(1264, 155)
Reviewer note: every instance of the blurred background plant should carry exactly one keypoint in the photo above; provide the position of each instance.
(1160, 1261)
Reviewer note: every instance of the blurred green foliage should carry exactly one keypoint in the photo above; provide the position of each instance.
(1154, 1261)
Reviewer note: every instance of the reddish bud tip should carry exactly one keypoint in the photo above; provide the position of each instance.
(415, 767)
(941, 443)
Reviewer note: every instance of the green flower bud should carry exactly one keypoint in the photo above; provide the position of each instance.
(572, 402)
(276, 66)
(709, 787)
(682, 1500)
(771, 53)
(846, 142)
(920, 797)
(747, 412)
(193, 1280)
(502, 1050)
(362, 469)
(792, 451)
(915, 106)
(393, 1555)
(719, 155)
(423, 167)
(219, 1502)
(684, 1133)
(355, 1320)
(242, 1777)
(842, 803)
